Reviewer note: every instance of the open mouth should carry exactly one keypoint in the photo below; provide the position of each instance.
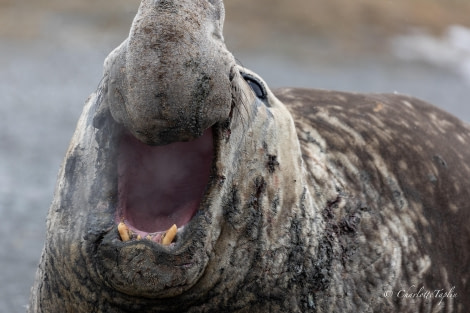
(160, 188)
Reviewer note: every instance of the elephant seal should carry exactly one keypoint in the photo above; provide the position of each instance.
(189, 186)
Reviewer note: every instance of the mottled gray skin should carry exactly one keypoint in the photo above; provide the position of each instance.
(360, 196)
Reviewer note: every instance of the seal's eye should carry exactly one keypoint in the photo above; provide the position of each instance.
(256, 85)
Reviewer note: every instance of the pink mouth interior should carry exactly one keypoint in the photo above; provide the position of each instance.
(161, 186)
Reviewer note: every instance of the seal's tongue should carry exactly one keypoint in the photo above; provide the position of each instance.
(160, 186)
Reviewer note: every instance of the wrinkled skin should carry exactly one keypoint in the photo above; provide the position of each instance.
(361, 195)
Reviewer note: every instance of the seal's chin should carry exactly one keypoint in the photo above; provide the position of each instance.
(160, 188)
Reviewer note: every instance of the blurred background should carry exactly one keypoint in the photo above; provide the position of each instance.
(51, 55)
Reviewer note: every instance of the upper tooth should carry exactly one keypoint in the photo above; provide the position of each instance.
(169, 235)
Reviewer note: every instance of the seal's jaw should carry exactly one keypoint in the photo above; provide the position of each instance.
(161, 214)
(155, 187)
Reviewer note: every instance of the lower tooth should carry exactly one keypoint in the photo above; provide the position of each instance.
(126, 234)
(169, 235)
(123, 232)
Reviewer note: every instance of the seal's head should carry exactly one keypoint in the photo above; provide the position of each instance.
(170, 80)
(186, 137)
(181, 168)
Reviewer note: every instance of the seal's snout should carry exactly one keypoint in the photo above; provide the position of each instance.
(170, 80)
